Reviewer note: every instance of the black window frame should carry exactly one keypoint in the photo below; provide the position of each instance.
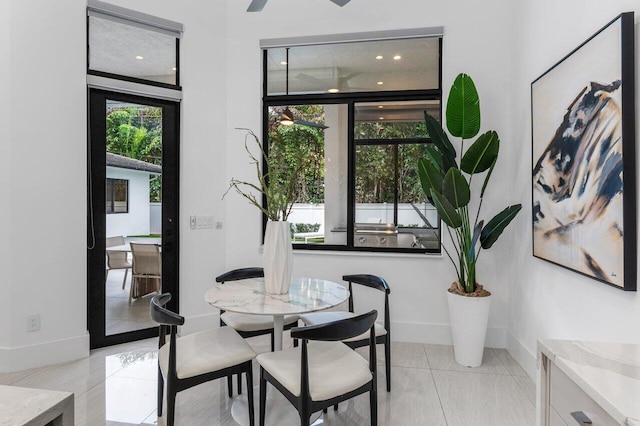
(111, 208)
(350, 99)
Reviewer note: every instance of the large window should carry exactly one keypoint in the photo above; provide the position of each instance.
(356, 118)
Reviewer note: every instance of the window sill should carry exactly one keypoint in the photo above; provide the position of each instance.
(363, 254)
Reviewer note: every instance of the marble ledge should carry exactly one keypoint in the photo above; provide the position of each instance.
(608, 372)
(35, 407)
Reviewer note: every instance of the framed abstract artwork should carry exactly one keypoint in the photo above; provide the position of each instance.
(583, 152)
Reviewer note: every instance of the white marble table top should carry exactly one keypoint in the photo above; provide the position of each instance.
(249, 297)
(21, 406)
(608, 372)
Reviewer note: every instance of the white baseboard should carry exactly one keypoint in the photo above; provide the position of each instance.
(42, 354)
(439, 334)
(523, 356)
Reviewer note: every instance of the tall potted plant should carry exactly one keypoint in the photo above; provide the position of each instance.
(449, 186)
(278, 187)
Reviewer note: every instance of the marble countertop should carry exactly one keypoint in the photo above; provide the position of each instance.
(19, 406)
(608, 372)
(249, 296)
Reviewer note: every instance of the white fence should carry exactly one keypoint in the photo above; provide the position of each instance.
(368, 213)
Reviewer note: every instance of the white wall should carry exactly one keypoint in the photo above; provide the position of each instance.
(45, 148)
(137, 220)
(477, 42)
(548, 301)
(5, 174)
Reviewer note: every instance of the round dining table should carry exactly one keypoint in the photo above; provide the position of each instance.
(250, 297)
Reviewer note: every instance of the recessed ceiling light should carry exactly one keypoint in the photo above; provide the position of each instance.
(333, 90)
(380, 106)
(397, 57)
(283, 63)
(380, 83)
(139, 58)
(379, 57)
(380, 118)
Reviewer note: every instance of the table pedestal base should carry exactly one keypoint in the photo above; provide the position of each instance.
(279, 410)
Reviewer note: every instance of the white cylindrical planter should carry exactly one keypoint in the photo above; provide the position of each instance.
(277, 257)
(469, 317)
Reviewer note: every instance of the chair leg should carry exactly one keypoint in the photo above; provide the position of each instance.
(263, 397)
(239, 383)
(230, 385)
(387, 361)
(373, 402)
(249, 374)
(324, 410)
(295, 343)
(335, 407)
(160, 391)
(305, 415)
(124, 280)
(171, 406)
(272, 341)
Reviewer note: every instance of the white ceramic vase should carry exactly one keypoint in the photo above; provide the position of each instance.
(469, 317)
(277, 257)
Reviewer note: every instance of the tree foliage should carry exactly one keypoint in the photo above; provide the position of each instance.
(136, 132)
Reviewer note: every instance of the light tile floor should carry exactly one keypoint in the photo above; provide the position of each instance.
(120, 315)
(117, 386)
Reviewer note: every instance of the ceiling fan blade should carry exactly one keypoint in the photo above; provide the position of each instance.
(256, 5)
(341, 2)
(310, 124)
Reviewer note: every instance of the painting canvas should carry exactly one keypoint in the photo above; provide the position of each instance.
(583, 134)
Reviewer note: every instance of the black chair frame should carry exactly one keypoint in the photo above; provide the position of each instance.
(333, 331)
(245, 274)
(169, 322)
(377, 283)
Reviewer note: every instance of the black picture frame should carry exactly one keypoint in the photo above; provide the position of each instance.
(583, 158)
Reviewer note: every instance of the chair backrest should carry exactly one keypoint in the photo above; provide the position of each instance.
(337, 330)
(146, 259)
(241, 274)
(375, 282)
(160, 314)
(116, 259)
(115, 241)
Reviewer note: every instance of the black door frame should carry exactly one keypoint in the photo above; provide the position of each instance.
(96, 216)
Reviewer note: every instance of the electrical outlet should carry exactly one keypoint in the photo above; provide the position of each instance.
(33, 323)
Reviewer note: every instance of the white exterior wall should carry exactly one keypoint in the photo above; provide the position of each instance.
(137, 220)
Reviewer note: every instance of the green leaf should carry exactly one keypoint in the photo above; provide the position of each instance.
(435, 157)
(487, 177)
(446, 211)
(456, 189)
(430, 176)
(441, 141)
(494, 228)
(463, 108)
(481, 154)
(474, 240)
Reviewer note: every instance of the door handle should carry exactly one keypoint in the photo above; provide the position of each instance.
(581, 418)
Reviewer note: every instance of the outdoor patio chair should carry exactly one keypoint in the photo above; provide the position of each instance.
(117, 259)
(147, 270)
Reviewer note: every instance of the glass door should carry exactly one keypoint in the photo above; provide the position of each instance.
(132, 213)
